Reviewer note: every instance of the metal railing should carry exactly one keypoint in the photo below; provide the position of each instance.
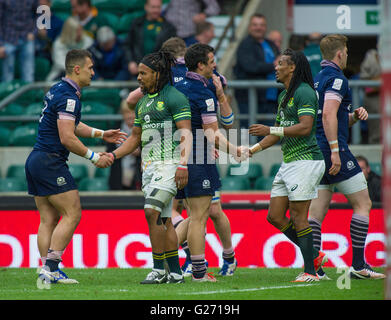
(251, 85)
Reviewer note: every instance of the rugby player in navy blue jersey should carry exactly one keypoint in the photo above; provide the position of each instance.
(342, 170)
(222, 225)
(48, 177)
(204, 179)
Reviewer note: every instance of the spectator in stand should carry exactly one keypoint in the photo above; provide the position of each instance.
(186, 14)
(256, 58)
(146, 35)
(312, 52)
(125, 173)
(46, 37)
(88, 16)
(371, 70)
(275, 36)
(108, 56)
(17, 38)
(72, 37)
(205, 32)
(373, 180)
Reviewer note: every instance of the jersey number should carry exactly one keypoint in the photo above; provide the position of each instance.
(43, 110)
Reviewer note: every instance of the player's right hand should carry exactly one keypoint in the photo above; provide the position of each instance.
(335, 163)
(104, 161)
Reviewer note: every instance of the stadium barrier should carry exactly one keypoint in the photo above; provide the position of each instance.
(113, 232)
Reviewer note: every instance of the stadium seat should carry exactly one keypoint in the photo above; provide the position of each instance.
(13, 109)
(109, 97)
(119, 6)
(61, 6)
(24, 135)
(102, 173)
(16, 171)
(94, 184)
(264, 183)
(97, 108)
(78, 171)
(42, 68)
(235, 183)
(126, 20)
(376, 167)
(274, 169)
(4, 136)
(12, 184)
(34, 109)
(111, 18)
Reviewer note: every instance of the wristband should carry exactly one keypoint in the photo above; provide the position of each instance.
(332, 142)
(92, 156)
(227, 120)
(97, 133)
(255, 148)
(335, 150)
(277, 131)
(182, 167)
(113, 155)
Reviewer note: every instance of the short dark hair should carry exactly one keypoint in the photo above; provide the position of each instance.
(197, 53)
(76, 57)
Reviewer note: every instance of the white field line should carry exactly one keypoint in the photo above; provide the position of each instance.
(251, 289)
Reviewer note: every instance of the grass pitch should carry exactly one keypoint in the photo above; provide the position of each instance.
(246, 284)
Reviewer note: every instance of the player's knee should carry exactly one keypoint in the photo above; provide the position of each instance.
(214, 211)
(273, 220)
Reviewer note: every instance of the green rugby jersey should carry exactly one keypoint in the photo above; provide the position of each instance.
(156, 115)
(304, 102)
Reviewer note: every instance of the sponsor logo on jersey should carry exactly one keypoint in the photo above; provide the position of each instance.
(210, 104)
(205, 184)
(290, 102)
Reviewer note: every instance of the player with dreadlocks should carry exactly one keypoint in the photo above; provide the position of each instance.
(165, 151)
(295, 184)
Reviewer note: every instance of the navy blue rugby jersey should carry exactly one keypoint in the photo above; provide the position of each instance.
(61, 101)
(331, 80)
(203, 104)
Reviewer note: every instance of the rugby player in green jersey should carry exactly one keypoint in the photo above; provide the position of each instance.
(161, 127)
(295, 184)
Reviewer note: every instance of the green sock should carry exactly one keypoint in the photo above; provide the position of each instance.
(158, 260)
(290, 231)
(172, 259)
(304, 238)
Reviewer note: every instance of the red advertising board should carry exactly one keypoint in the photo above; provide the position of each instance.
(119, 238)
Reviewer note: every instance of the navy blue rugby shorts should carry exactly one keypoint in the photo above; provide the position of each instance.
(47, 174)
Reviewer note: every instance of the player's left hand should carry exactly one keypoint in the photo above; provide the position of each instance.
(181, 178)
(259, 130)
(114, 136)
(360, 114)
(219, 86)
(242, 153)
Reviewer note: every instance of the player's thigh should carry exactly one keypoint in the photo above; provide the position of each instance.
(298, 211)
(199, 207)
(48, 214)
(320, 205)
(67, 203)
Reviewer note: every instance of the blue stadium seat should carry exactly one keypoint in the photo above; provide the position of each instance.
(4, 136)
(102, 173)
(24, 135)
(274, 169)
